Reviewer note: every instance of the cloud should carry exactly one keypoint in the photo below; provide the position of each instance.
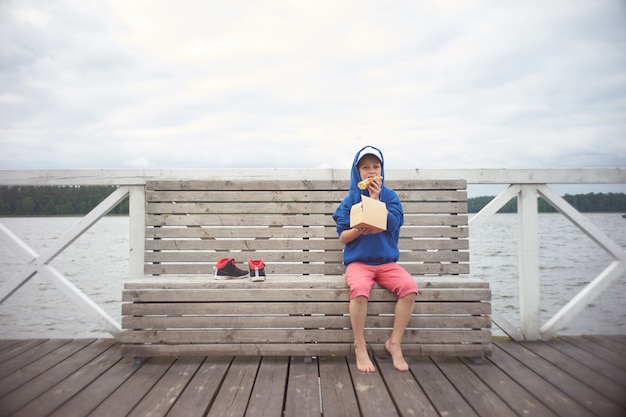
(436, 84)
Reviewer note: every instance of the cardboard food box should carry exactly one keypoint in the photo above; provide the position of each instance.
(369, 212)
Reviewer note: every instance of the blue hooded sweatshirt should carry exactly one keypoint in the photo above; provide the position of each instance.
(372, 249)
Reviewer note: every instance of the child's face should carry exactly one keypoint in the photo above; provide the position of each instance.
(369, 166)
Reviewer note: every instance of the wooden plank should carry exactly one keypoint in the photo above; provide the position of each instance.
(552, 397)
(336, 390)
(234, 394)
(205, 232)
(240, 220)
(302, 349)
(201, 391)
(225, 349)
(255, 195)
(618, 338)
(21, 354)
(132, 390)
(608, 343)
(293, 281)
(417, 220)
(89, 398)
(405, 390)
(581, 371)
(586, 396)
(251, 184)
(511, 392)
(248, 208)
(605, 368)
(247, 244)
(225, 320)
(374, 399)
(479, 395)
(13, 348)
(269, 252)
(406, 194)
(298, 185)
(293, 295)
(607, 355)
(33, 369)
(269, 206)
(303, 394)
(444, 397)
(43, 381)
(409, 231)
(475, 350)
(332, 308)
(165, 392)
(303, 269)
(6, 343)
(272, 336)
(281, 220)
(272, 270)
(67, 388)
(268, 393)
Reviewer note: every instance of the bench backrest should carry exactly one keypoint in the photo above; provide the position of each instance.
(190, 225)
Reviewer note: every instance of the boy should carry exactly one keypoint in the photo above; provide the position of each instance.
(371, 257)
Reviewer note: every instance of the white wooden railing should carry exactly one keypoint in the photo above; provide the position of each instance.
(525, 184)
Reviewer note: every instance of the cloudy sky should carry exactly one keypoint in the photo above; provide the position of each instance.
(306, 83)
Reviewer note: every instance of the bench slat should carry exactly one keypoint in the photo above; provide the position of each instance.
(268, 336)
(303, 349)
(298, 232)
(298, 185)
(271, 253)
(289, 207)
(217, 195)
(294, 244)
(304, 269)
(268, 308)
(296, 321)
(294, 295)
(294, 281)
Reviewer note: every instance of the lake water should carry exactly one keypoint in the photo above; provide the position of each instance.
(97, 263)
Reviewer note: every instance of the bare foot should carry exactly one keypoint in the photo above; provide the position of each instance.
(396, 356)
(363, 361)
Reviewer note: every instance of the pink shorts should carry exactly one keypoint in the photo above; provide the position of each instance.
(361, 278)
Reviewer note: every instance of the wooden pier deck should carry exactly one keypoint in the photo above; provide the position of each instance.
(568, 376)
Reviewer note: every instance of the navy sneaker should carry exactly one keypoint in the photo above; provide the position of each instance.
(226, 268)
(257, 270)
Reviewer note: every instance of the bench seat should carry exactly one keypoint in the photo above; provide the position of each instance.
(301, 308)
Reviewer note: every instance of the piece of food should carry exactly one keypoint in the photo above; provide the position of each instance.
(367, 181)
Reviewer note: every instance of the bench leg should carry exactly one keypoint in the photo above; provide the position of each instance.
(138, 361)
(476, 360)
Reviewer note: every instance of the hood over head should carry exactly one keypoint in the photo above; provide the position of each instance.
(355, 177)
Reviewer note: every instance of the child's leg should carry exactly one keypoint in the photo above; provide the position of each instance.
(358, 314)
(402, 315)
(396, 279)
(360, 278)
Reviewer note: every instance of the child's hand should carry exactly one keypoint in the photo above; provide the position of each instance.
(374, 188)
(367, 230)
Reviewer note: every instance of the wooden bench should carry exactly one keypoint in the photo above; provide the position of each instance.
(301, 308)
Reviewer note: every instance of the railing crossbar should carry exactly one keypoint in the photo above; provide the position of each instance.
(40, 263)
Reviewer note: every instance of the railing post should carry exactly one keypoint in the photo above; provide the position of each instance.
(527, 209)
(137, 230)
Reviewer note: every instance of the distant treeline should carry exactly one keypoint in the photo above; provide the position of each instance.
(55, 200)
(589, 203)
(64, 200)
